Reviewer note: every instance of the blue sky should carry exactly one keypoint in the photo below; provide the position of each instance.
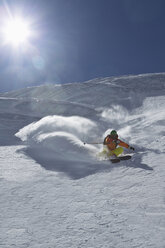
(78, 40)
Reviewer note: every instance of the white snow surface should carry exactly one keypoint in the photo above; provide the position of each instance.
(55, 192)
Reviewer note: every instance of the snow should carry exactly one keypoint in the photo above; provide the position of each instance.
(56, 192)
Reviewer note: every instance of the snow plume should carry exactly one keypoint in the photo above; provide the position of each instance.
(116, 117)
(115, 114)
(74, 125)
(137, 127)
(55, 140)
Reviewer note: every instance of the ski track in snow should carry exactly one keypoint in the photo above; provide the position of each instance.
(54, 190)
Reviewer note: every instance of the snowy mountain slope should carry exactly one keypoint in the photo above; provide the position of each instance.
(119, 90)
(56, 192)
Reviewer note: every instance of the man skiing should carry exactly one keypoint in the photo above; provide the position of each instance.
(112, 141)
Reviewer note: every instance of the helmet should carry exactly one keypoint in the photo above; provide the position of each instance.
(113, 133)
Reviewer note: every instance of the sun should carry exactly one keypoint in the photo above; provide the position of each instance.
(16, 31)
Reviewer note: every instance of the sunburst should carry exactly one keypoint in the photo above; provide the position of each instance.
(16, 31)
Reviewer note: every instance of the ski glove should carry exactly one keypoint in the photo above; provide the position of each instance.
(132, 148)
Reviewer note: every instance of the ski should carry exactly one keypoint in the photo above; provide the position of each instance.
(125, 157)
(118, 159)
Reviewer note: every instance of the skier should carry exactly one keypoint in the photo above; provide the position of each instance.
(112, 141)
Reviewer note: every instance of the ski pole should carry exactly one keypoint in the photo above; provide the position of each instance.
(93, 143)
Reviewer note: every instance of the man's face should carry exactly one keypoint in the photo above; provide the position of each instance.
(115, 136)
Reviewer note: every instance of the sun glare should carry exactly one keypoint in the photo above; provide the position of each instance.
(16, 32)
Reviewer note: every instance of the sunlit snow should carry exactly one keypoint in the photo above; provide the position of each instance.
(56, 191)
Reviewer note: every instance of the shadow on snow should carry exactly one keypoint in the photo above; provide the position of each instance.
(77, 169)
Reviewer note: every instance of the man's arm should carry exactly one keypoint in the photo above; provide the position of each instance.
(122, 143)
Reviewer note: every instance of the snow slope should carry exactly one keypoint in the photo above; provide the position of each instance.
(56, 191)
